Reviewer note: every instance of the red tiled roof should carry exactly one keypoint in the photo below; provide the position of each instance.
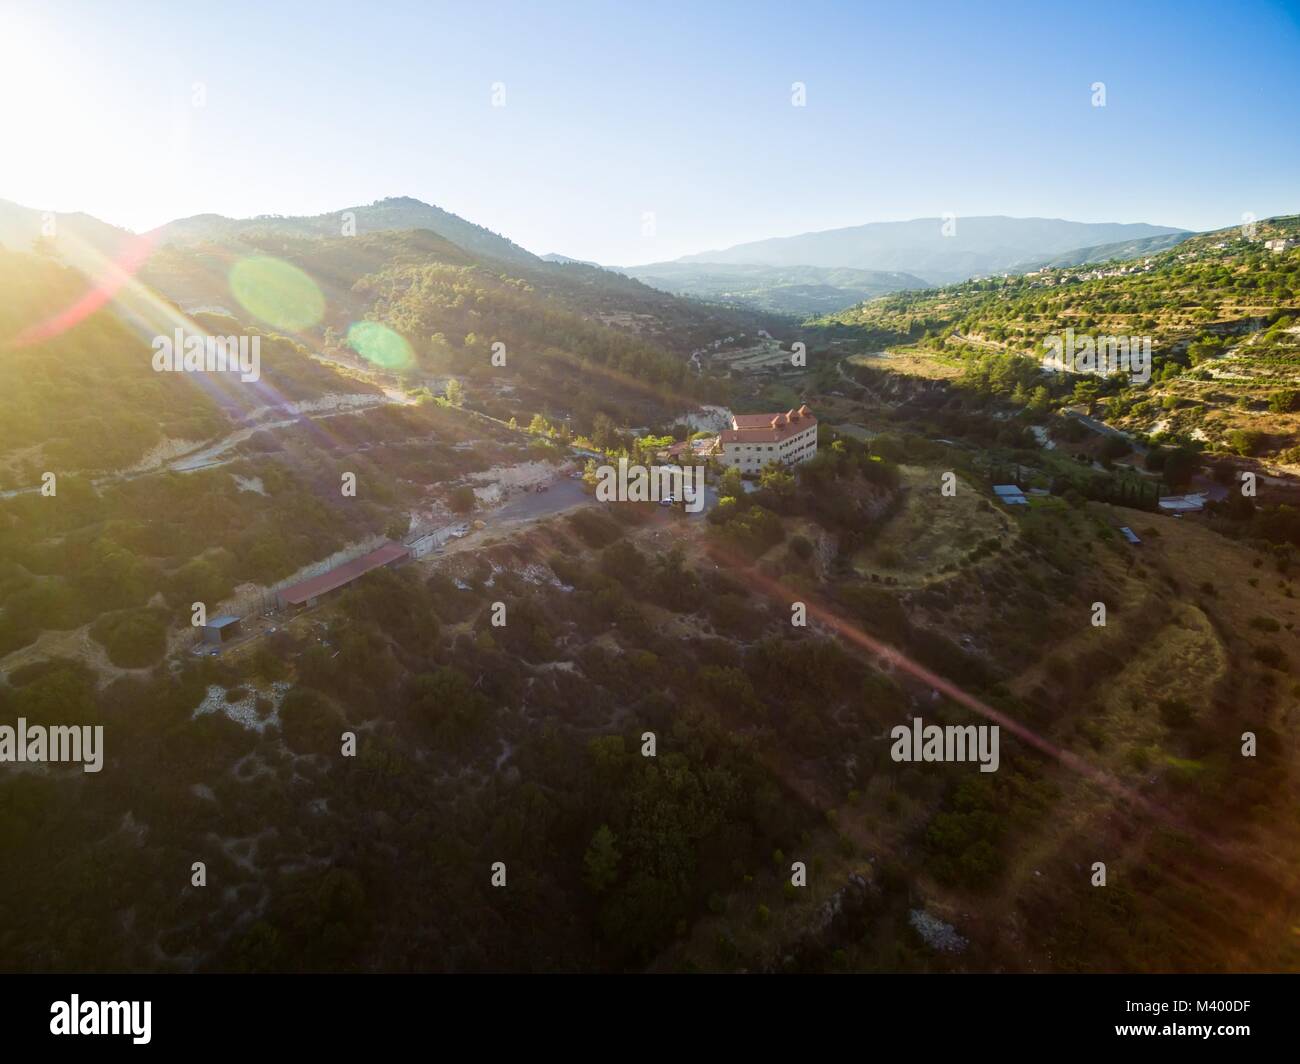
(297, 594)
(767, 428)
(751, 421)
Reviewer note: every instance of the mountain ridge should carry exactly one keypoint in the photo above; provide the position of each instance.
(941, 251)
(394, 212)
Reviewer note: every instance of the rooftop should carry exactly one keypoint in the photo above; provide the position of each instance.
(767, 428)
(1010, 494)
(297, 594)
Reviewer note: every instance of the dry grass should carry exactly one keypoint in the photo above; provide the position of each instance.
(933, 531)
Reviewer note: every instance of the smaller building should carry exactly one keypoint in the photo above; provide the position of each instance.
(701, 448)
(1183, 503)
(1010, 495)
(1280, 245)
(220, 630)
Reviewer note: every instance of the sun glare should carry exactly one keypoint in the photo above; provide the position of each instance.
(62, 119)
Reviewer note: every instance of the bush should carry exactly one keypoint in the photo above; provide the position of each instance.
(461, 500)
(310, 724)
(1271, 655)
(134, 639)
(1244, 441)
(1285, 401)
(596, 529)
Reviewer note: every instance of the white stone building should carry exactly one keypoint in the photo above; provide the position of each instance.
(754, 440)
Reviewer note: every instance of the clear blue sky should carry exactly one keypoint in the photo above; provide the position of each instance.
(680, 109)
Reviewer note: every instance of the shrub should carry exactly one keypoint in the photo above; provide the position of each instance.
(134, 639)
(461, 500)
(1271, 655)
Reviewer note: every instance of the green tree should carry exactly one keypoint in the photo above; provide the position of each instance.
(601, 860)
(730, 484)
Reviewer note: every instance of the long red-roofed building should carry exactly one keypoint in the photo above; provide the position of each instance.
(307, 592)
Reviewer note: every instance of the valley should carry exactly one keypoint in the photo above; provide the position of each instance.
(523, 741)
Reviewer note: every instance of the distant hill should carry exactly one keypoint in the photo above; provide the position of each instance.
(21, 227)
(1128, 249)
(978, 246)
(195, 274)
(401, 212)
(564, 260)
(789, 290)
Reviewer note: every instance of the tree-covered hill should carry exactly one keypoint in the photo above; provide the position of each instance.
(1221, 309)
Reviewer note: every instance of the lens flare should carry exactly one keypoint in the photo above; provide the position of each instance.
(277, 293)
(107, 277)
(380, 345)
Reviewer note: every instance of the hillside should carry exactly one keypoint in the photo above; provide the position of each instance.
(1222, 314)
(1126, 249)
(194, 274)
(73, 236)
(976, 246)
(400, 212)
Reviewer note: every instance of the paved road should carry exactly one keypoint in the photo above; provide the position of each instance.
(564, 494)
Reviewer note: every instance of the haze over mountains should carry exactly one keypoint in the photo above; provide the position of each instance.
(790, 290)
(20, 227)
(802, 275)
(977, 245)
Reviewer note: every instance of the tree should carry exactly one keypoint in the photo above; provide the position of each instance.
(601, 860)
(446, 702)
(461, 499)
(776, 480)
(1180, 464)
(730, 484)
(1085, 394)
(455, 393)
(1284, 402)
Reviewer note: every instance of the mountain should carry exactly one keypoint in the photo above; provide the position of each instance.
(21, 227)
(1127, 249)
(791, 290)
(195, 275)
(977, 246)
(564, 260)
(400, 212)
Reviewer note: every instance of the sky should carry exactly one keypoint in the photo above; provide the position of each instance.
(628, 133)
